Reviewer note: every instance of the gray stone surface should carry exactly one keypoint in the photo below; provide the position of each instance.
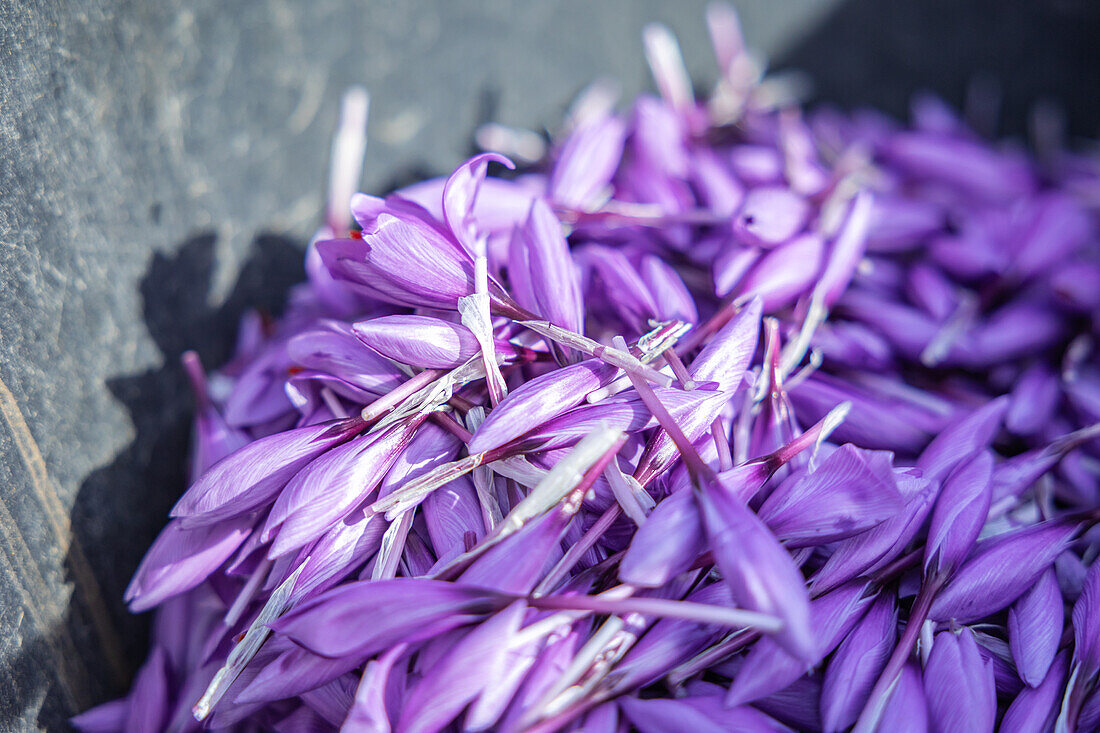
(161, 164)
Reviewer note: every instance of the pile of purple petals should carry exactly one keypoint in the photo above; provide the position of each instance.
(716, 417)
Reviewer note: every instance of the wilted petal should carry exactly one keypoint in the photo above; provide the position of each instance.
(1086, 624)
(999, 572)
(1035, 709)
(857, 664)
(907, 709)
(459, 677)
(958, 684)
(768, 668)
(959, 515)
(328, 489)
(402, 609)
(850, 491)
(181, 558)
(758, 570)
(666, 544)
(253, 475)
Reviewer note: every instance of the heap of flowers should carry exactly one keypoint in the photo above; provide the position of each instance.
(715, 417)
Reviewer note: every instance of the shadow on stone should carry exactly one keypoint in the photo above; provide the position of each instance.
(121, 507)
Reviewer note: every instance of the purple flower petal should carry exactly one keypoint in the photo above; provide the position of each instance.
(958, 684)
(1033, 401)
(857, 664)
(587, 161)
(758, 570)
(670, 296)
(420, 341)
(110, 717)
(326, 490)
(698, 714)
(907, 709)
(181, 558)
(545, 279)
(666, 544)
(472, 664)
(460, 194)
(770, 215)
(851, 491)
(1036, 708)
(252, 476)
(768, 668)
(875, 548)
(1035, 628)
(150, 694)
(539, 400)
(336, 351)
(959, 514)
(368, 711)
(402, 609)
(1000, 571)
(962, 439)
(1086, 624)
(784, 273)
